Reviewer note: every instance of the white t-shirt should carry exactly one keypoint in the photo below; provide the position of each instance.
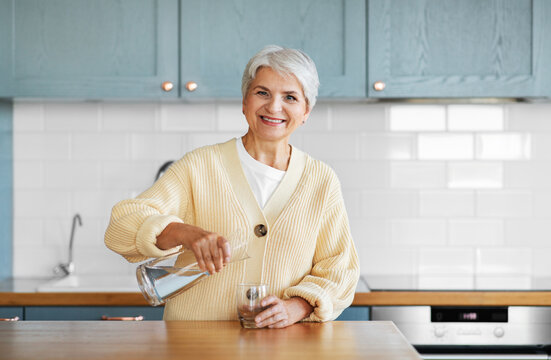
(262, 178)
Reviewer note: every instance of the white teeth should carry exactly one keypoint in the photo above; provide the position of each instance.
(271, 120)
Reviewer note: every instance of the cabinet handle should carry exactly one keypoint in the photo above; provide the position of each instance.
(379, 85)
(191, 86)
(167, 86)
(15, 318)
(122, 318)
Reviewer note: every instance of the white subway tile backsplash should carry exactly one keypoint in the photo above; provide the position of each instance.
(542, 203)
(343, 145)
(30, 117)
(529, 117)
(103, 146)
(188, 117)
(417, 117)
(447, 203)
(445, 146)
(503, 146)
(460, 194)
(72, 117)
(475, 118)
(164, 146)
(37, 146)
(360, 174)
(28, 174)
(505, 204)
(503, 261)
(230, 118)
(197, 140)
(476, 232)
(541, 265)
(130, 117)
(28, 231)
(390, 204)
(358, 117)
(71, 174)
(387, 146)
(418, 175)
(527, 174)
(388, 261)
(446, 261)
(41, 204)
(318, 120)
(475, 175)
(528, 232)
(418, 232)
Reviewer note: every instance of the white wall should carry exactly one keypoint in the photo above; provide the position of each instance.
(456, 192)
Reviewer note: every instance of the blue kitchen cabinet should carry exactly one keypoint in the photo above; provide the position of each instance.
(11, 312)
(459, 48)
(34, 313)
(355, 313)
(218, 37)
(6, 188)
(88, 49)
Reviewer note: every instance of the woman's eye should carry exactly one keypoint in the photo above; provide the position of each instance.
(290, 98)
(262, 93)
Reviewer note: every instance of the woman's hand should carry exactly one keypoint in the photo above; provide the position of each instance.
(211, 250)
(282, 313)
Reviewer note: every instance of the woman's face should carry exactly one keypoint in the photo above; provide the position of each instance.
(274, 105)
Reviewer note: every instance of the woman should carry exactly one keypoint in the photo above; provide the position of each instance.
(289, 204)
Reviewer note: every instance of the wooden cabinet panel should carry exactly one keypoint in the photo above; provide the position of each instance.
(459, 48)
(89, 49)
(218, 37)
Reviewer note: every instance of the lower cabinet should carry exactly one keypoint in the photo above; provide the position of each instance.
(355, 313)
(34, 313)
(11, 313)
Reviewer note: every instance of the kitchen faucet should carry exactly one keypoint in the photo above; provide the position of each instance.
(69, 267)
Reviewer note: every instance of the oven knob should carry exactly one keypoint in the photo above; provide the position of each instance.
(439, 332)
(499, 332)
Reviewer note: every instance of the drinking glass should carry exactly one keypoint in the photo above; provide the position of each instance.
(248, 303)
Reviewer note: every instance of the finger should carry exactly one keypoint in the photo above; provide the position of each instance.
(207, 256)
(216, 259)
(270, 300)
(196, 248)
(224, 246)
(280, 324)
(272, 320)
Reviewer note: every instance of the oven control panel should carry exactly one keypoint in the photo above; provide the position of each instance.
(465, 326)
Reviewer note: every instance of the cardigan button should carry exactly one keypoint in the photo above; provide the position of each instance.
(260, 230)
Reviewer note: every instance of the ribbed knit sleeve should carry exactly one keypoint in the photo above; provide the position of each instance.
(331, 284)
(136, 223)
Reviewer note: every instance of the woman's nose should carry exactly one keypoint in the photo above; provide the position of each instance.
(274, 106)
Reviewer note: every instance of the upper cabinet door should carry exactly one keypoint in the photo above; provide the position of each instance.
(90, 48)
(218, 37)
(459, 48)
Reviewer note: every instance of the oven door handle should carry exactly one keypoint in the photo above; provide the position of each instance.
(484, 356)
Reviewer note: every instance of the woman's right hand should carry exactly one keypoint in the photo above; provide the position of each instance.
(211, 250)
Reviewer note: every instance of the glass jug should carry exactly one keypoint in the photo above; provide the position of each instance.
(163, 278)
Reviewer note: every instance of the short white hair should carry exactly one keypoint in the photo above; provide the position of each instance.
(286, 62)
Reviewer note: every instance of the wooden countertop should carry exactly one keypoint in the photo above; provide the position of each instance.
(443, 298)
(201, 340)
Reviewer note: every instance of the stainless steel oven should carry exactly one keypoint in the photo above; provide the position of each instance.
(467, 332)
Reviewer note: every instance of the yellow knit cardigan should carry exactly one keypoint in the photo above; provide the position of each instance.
(307, 251)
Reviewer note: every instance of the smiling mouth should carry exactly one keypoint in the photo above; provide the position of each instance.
(272, 120)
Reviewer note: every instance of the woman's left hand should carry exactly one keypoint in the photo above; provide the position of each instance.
(282, 313)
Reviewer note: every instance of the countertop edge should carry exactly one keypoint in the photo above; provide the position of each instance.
(381, 298)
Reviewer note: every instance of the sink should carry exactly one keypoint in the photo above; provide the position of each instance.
(91, 283)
